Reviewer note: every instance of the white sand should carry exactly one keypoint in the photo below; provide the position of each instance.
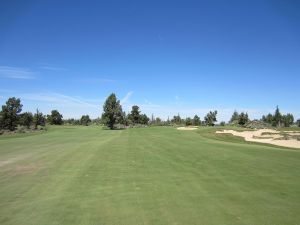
(187, 128)
(256, 136)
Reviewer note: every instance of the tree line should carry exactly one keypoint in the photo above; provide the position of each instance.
(11, 117)
(277, 119)
(113, 116)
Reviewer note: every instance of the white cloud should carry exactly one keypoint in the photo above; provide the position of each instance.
(57, 98)
(16, 73)
(126, 99)
(52, 68)
(69, 106)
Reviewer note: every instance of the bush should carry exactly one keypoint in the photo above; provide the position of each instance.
(188, 121)
(21, 130)
(256, 124)
(55, 118)
(85, 120)
(222, 124)
(243, 119)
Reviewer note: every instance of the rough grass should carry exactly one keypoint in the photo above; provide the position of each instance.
(159, 175)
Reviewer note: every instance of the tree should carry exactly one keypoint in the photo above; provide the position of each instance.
(96, 121)
(277, 119)
(176, 119)
(234, 117)
(85, 120)
(168, 121)
(158, 121)
(298, 123)
(72, 121)
(55, 118)
(38, 119)
(124, 119)
(288, 119)
(188, 121)
(135, 114)
(268, 119)
(222, 124)
(112, 111)
(144, 119)
(243, 119)
(152, 119)
(26, 119)
(196, 120)
(10, 113)
(1, 121)
(211, 118)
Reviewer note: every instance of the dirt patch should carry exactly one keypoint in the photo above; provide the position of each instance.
(187, 128)
(14, 159)
(26, 169)
(268, 136)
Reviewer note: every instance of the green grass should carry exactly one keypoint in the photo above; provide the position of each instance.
(159, 175)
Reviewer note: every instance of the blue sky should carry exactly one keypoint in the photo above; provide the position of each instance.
(168, 57)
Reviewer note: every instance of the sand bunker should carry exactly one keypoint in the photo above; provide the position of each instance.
(187, 128)
(268, 136)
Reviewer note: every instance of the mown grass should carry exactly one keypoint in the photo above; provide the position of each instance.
(159, 175)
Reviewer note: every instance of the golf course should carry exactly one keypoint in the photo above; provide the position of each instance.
(90, 175)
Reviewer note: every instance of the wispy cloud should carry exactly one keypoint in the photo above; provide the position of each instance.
(16, 73)
(52, 68)
(125, 100)
(69, 106)
(61, 99)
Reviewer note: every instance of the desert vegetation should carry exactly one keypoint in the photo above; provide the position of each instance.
(278, 119)
(12, 119)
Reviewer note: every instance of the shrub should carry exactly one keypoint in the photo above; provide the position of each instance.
(222, 124)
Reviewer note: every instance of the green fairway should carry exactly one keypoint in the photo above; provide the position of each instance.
(76, 175)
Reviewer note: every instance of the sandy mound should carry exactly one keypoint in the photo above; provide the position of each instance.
(268, 136)
(187, 128)
(293, 133)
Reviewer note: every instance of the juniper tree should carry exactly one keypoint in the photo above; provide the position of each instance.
(55, 118)
(211, 118)
(26, 119)
(10, 113)
(112, 111)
